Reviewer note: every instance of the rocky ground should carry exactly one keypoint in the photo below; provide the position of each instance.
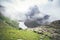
(52, 30)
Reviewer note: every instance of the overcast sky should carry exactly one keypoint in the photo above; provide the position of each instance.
(16, 8)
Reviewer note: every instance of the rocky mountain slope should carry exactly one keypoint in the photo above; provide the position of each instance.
(52, 30)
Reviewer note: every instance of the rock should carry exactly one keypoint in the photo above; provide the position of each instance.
(56, 24)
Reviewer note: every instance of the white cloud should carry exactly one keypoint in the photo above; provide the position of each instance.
(52, 8)
(14, 7)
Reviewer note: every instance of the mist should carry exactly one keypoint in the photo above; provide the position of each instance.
(52, 8)
(40, 11)
(35, 17)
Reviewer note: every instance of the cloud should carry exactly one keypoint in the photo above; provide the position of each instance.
(35, 17)
(52, 9)
(18, 9)
(14, 7)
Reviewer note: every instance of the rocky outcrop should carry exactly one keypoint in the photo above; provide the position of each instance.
(52, 30)
(56, 24)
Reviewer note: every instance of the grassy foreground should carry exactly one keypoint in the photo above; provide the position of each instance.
(9, 33)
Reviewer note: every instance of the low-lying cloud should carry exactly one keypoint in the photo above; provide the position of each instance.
(39, 11)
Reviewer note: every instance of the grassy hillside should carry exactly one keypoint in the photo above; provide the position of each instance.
(7, 20)
(9, 33)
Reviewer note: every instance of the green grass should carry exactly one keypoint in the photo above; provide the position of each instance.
(9, 33)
